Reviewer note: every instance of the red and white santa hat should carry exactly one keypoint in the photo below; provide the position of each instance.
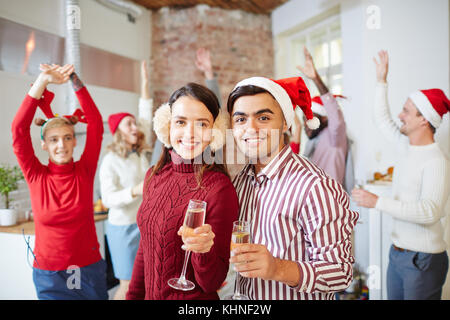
(317, 105)
(432, 104)
(289, 93)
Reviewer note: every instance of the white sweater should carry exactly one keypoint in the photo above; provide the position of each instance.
(421, 186)
(119, 175)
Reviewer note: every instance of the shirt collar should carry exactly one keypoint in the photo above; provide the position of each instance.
(272, 169)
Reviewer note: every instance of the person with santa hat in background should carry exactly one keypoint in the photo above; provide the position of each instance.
(121, 178)
(300, 222)
(328, 146)
(418, 261)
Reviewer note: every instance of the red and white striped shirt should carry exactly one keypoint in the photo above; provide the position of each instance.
(300, 214)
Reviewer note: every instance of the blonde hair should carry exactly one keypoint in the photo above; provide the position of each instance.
(55, 123)
(119, 146)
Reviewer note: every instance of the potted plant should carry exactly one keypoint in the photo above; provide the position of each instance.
(9, 178)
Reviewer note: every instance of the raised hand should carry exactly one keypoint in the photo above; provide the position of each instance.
(382, 67)
(145, 80)
(145, 76)
(308, 69)
(56, 74)
(203, 62)
(50, 74)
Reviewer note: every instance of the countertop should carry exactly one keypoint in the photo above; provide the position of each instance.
(28, 226)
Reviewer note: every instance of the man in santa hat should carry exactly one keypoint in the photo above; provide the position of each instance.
(300, 222)
(418, 261)
(327, 146)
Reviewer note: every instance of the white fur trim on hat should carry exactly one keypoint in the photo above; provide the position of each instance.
(313, 123)
(277, 92)
(318, 109)
(161, 124)
(426, 108)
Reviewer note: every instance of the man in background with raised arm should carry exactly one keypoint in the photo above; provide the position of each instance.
(418, 261)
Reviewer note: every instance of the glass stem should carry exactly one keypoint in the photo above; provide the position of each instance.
(237, 292)
(183, 271)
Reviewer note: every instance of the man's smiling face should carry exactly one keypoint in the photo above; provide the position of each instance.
(258, 125)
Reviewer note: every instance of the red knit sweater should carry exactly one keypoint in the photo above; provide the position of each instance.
(161, 214)
(61, 195)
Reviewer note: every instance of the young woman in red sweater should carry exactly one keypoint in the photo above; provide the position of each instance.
(67, 264)
(192, 127)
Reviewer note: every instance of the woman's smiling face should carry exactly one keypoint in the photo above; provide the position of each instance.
(190, 127)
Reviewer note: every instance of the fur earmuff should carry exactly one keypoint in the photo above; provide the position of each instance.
(221, 124)
(161, 124)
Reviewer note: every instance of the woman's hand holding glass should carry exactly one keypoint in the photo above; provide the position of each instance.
(198, 240)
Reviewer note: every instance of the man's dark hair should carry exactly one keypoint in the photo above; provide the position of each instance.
(242, 91)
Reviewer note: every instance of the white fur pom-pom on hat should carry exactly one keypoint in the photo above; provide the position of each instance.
(221, 124)
(161, 124)
(313, 123)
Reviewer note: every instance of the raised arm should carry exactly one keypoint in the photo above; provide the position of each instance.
(382, 114)
(22, 143)
(204, 64)
(145, 108)
(94, 131)
(336, 122)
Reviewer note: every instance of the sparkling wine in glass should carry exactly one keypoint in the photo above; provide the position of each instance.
(194, 218)
(240, 236)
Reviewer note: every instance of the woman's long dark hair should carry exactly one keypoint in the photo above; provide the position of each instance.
(209, 99)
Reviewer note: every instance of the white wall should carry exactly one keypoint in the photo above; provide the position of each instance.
(416, 35)
(102, 28)
(293, 12)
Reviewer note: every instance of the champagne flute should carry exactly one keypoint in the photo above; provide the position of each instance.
(240, 236)
(194, 218)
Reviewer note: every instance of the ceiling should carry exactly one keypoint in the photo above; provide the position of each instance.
(254, 6)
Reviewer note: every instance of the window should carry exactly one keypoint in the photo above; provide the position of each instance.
(324, 42)
(322, 38)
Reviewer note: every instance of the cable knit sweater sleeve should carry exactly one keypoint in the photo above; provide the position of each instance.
(429, 208)
(211, 268)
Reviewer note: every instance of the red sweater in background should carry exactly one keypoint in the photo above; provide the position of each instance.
(61, 195)
(161, 214)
